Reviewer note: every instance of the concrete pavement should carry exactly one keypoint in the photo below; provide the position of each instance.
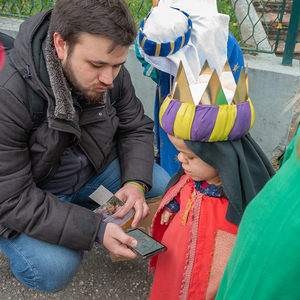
(97, 278)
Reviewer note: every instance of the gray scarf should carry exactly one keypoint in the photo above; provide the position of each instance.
(64, 108)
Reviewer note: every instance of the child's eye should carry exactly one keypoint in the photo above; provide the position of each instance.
(190, 158)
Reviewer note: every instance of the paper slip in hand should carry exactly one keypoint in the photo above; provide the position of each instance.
(109, 206)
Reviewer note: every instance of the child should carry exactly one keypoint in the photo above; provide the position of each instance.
(206, 178)
(222, 169)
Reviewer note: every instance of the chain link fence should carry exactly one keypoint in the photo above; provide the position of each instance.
(258, 25)
(23, 8)
(262, 24)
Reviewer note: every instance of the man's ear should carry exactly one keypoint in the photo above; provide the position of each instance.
(60, 46)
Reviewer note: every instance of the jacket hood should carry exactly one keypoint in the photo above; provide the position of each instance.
(27, 54)
(35, 58)
(243, 168)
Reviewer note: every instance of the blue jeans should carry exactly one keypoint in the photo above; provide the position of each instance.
(110, 179)
(49, 268)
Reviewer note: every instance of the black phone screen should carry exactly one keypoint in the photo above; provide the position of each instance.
(147, 246)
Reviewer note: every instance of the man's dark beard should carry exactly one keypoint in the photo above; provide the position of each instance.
(91, 100)
(72, 81)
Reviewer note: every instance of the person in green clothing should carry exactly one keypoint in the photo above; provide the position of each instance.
(264, 263)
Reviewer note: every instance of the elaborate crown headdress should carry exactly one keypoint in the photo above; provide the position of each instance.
(214, 109)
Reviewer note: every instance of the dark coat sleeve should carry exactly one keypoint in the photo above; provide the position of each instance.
(24, 208)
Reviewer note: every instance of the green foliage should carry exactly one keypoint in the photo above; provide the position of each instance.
(24, 8)
(225, 7)
(139, 9)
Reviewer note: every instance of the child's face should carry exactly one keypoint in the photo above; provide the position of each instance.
(111, 208)
(193, 165)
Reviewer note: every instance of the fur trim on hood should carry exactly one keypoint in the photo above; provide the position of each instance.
(64, 108)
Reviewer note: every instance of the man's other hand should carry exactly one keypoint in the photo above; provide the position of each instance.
(133, 197)
(115, 240)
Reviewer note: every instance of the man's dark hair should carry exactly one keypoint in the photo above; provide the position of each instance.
(110, 18)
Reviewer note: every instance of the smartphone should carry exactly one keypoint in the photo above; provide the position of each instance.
(147, 246)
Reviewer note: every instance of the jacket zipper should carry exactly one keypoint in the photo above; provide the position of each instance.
(50, 174)
(81, 163)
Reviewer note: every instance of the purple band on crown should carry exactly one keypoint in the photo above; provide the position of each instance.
(169, 116)
(202, 125)
(241, 125)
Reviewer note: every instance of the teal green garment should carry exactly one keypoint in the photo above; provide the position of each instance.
(265, 261)
(149, 71)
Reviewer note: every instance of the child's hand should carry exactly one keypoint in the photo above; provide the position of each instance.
(166, 217)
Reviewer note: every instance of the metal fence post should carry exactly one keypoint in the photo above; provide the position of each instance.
(291, 38)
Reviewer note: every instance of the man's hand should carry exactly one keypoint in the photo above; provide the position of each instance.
(115, 240)
(133, 197)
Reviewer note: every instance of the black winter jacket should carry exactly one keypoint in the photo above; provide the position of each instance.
(29, 158)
